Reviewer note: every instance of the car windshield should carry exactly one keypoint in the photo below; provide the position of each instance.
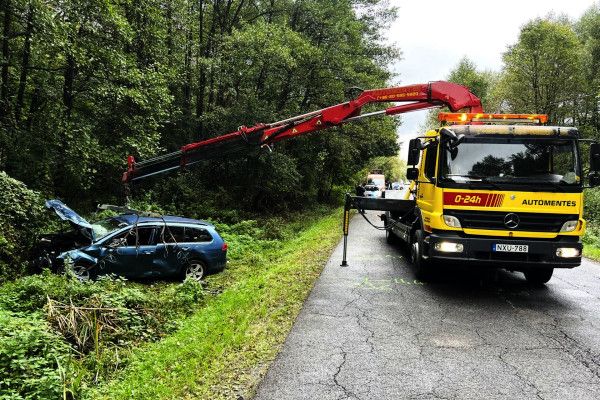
(104, 227)
(512, 160)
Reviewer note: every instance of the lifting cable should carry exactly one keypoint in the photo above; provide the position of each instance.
(385, 227)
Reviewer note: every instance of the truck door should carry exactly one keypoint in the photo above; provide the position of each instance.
(426, 192)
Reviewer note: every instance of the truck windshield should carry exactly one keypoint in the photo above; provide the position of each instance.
(531, 161)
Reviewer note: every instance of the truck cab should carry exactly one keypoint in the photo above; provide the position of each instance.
(504, 195)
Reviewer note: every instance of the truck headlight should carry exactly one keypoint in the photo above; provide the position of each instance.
(569, 226)
(451, 221)
(448, 247)
(567, 252)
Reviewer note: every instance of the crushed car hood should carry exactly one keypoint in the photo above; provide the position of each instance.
(66, 214)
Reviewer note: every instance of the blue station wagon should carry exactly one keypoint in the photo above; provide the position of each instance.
(134, 246)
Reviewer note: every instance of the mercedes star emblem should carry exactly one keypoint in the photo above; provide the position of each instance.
(511, 220)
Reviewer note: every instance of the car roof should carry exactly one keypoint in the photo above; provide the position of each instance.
(133, 218)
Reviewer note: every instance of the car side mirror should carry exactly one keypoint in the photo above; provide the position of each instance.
(414, 152)
(412, 173)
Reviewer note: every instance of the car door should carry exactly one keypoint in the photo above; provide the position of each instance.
(427, 181)
(171, 250)
(131, 253)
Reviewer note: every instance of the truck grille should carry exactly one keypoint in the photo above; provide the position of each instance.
(533, 222)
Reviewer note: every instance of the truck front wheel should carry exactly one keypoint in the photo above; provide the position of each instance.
(422, 265)
(390, 238)
(538, 276)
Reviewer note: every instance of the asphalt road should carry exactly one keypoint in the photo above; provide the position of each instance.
(371, 331)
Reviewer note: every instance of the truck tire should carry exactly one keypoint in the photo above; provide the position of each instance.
(422, 266)
(538, 276)
(390, 238)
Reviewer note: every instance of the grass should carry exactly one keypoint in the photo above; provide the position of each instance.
(591, 239)
(592, 252)
(224, 349)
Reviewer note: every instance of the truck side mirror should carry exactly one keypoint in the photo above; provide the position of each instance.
(595, 158)
(414, 152)
(412, 174)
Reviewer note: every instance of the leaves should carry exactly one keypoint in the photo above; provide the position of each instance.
(89, 82)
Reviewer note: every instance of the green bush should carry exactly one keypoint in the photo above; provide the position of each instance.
(592, 206)
(22, 216)
(31, 357)
(102, 321)
(132, 312)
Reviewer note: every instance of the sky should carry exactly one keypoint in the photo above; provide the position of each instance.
(434, 35)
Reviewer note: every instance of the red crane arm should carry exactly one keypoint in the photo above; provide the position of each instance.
(421, 96)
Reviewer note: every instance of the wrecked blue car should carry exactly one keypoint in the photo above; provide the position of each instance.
(137, 246)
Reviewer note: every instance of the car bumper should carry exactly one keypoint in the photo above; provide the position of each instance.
(217, 268)
(478, 250)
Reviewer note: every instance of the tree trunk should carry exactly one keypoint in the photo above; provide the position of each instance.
(69, 79)
(4, 104)
(187, 84)
(24, 64)
(201, 69)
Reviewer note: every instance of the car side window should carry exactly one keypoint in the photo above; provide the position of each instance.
(173, 234)
(197, 235)
(141, 236)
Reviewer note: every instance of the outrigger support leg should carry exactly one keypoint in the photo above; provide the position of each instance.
(360, 203)
(346, 226)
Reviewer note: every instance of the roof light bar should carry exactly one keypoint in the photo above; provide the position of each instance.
(465, 118)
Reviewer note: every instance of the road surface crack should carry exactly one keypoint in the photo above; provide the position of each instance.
(347, 393)
(517, 374)
(584, 355)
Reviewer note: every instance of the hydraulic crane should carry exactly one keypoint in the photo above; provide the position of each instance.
(417, 97)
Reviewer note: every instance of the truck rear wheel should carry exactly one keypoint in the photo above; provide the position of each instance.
(422, 265)
(538, 276)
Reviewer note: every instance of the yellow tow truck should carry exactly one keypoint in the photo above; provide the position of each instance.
(501, 190)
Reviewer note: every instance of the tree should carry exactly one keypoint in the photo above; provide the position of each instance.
(543, 71)
(588, 31)
(480, 83)
(85, 83)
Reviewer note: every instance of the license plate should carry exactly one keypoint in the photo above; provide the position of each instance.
(510, 248)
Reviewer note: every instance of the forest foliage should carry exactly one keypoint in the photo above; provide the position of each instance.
(84, 83)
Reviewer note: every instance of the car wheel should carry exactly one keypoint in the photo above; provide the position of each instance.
(82, 273)
(195, 269)
(41, 262)
(538, 276)
(422, 266)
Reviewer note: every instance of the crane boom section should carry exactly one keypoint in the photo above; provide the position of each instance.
(416, 97)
